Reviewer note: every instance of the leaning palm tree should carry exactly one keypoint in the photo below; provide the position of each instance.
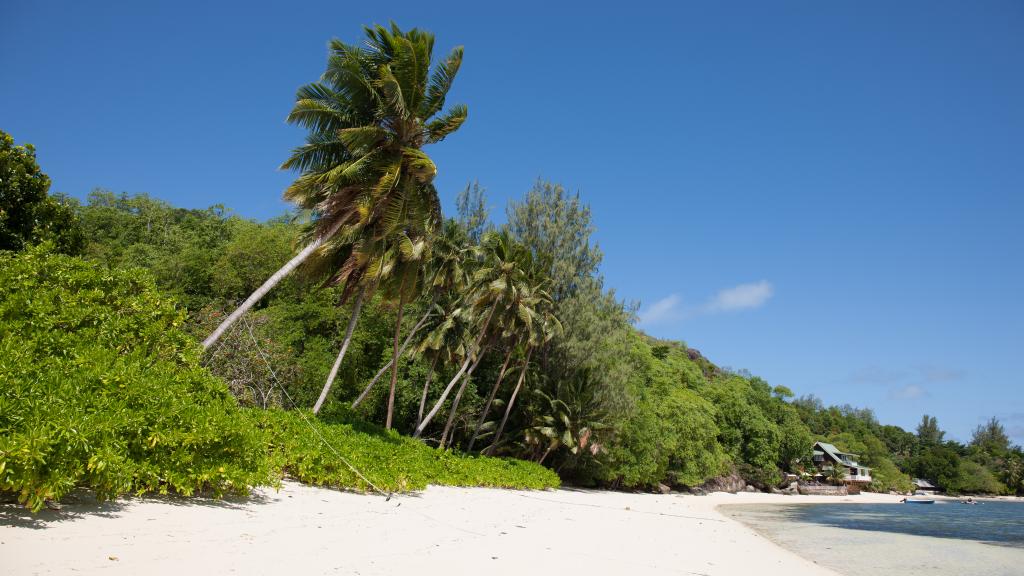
(445, 271)
(368, 117)
(403, 287)
(544, 330)
(448, 340)
(519, 325)
(496, 285)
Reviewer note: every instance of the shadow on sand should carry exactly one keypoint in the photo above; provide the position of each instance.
(83, 503)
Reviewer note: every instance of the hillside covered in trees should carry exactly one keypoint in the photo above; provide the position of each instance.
(437, 349)
(599, 402)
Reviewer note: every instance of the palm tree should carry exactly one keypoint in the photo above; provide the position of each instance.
(544, 330)
(362, 167)
(448, 340)
(496, 286)
(404, 286)
(446, 269)
(519, 321)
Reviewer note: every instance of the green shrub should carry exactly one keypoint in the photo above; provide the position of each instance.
(102, 389)
(885, 477)
(390, 461)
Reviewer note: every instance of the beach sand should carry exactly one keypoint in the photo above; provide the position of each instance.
(306, 530)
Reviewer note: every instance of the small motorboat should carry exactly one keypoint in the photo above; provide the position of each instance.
(918, 501)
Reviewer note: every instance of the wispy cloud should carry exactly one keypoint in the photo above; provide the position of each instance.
(907, 384)
(938, 374)
(908, 392)
(668, 309)
(742, 297)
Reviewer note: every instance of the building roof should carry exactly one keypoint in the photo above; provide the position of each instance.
(921, 483)
(838, 454)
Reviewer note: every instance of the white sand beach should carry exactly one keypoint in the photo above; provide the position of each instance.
(305, 530)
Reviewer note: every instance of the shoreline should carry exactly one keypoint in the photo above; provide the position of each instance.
(303, 529)
(853, 548)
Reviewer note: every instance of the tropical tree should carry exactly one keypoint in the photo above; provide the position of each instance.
(495, 286)
(362, 169)
(837, 474)
(28, 214)
(518, 325)
(543, 331)
(445, 271)
(403, 287)
(448, 340)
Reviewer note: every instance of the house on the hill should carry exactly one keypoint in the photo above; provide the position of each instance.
(826, 456)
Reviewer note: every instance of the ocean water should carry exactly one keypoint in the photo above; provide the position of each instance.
(1000, 523)
(945, 538)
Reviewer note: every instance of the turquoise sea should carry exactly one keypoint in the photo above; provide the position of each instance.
(999, 523)
(986, 539)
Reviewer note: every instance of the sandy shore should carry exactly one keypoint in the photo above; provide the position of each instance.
(305, 530)
(880, 553)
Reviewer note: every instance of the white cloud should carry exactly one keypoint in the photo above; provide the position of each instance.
(665, 310)
(742, 297)
(908, 392)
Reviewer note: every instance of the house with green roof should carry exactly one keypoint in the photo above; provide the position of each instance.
(826, 456)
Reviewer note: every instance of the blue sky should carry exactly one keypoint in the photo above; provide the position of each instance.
(827, 194)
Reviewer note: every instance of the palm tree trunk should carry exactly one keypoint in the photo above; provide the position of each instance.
(394, 356)
(490, 399)
(405, 344)
(447, 390)
(545, 455)
(356, 307)
(458, 398)
(511, 401)
(268, 285)
(426, 387)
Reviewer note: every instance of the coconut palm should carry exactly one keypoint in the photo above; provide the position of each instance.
(363, 171)
(404, 285)
(447, 340)
(544, 330)
(517, 326)
(495, 287)
(445, 271)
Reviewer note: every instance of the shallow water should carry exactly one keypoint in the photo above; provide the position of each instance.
(942, 538)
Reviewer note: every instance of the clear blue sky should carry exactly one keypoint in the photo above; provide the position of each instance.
(829, 194)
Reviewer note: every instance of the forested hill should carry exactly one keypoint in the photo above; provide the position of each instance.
(598, 401)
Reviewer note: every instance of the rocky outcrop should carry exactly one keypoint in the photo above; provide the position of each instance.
(822, 490)
(731, 483)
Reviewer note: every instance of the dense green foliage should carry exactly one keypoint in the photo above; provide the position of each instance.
(988, 464)
(602, 403)
(644, 411)
(102, 388)
(28, 215)
(390, 461)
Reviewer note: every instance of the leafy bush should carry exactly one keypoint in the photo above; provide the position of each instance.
(391, 461)
(885, 477)
(103, 389)
(973, 478)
